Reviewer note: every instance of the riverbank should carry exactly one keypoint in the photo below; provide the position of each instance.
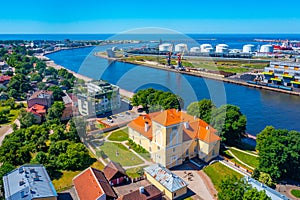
(202, 74)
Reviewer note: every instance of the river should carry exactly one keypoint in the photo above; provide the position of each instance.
(261, 107)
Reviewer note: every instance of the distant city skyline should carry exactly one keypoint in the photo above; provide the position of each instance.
(94, 16)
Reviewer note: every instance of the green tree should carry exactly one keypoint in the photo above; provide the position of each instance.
(254, 194)
(36, 77)
(55, 111)
(201, 109)
(4, 169)
(255, 174)
(27, 119)
(57, 92)
(230, 122)
(266, 179)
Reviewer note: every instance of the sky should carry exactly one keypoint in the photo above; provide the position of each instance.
(197, 16)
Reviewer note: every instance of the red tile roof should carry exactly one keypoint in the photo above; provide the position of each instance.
(4, 78)
(150, 193)
(111, 169)
(91, 184)
(37, 109)
(196, 128)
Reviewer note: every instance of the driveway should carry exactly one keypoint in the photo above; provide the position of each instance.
(196, 184)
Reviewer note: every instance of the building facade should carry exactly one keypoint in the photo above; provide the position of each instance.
(41, 97)
(101, 97)
(170, 184)
(283, 73)
(173, 136)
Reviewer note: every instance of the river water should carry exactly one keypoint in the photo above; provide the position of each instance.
(261, 107)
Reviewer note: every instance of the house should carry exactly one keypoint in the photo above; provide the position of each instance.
(71, 108)
(149, 192)
(114, 173)
(38, 111)
(91, 184)
(28, 182)
(167, 182)
(4, 79)
(41, 97)
(172, 136)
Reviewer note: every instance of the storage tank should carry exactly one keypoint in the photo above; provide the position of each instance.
(222, 48)
(195, 50)
(248, 48)
(206, 48)
(267, 48)
(165, 47)
(181, 48)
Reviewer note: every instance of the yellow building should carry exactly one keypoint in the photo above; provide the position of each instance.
(171, 185)
(172, 136)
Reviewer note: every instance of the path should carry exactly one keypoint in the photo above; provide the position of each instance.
(208, 184)
(9, 131)
(232, 154)
(246, 152)
(235, 168)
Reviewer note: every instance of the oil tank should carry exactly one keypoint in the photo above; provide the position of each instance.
(195, 50)
(222, 48)
(267, 48)
(248, 48)
(181, 48)
(206, 48)
(165, 47)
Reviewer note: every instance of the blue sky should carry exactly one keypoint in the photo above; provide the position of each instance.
(97, 16)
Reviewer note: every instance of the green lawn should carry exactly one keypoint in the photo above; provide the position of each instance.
(120, 135)
(296, 193)
(65, 181)
(119, 153)
(12, 116)
(140, 150)
(135, 172)
(217, 171)
(246, 158)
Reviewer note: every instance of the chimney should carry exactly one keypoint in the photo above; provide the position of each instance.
(186, 125)
(207, 127)
(142, 190)
(146, 127)
(195, 117)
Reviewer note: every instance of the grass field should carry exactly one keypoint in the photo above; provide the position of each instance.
(12, 116)
(296, 193)
(135, 172)
(65, 181)
(246, 158)
(217, 170)
(138, 149)
(119, 153)
(120, 135)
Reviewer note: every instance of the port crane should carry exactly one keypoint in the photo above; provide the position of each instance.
(179, 61)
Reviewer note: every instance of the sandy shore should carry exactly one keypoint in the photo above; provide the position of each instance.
(51, 63)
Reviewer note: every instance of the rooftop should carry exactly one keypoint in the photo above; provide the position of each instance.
(92, 184)
(111, 169)
(42, 94)
(37, 109)
(28, 182)
(269, 191)
(165, 177)
(148, 192)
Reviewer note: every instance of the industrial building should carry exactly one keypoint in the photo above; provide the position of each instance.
(28, 182)
(181, 48)
(195, 50)
(101, 97)
(283, 73)
(166, 47)
(222, 48)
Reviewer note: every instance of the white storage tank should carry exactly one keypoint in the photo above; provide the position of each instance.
(222, 48)
(206, 48)
(181, 48)
(195, 50)
(165, 47)
(267, 48)
(248, 48)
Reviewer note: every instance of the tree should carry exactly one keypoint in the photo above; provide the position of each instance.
(4, 169)
(254, 194)
(36, 77)
(57, 92)
(55, 111)
(266, 179)
(27, 119)
(255, 174)
(201, 109)
(279, 152)
(230, 123)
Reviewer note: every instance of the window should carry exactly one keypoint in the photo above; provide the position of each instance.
(140, 142)
(158, 147)
(150, 149)
(174, 149)
(174, 194)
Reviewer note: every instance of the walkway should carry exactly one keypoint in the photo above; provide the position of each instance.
(9, 130)
(232, 154)
(246, 152)
(235, 168)
(208, 184)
